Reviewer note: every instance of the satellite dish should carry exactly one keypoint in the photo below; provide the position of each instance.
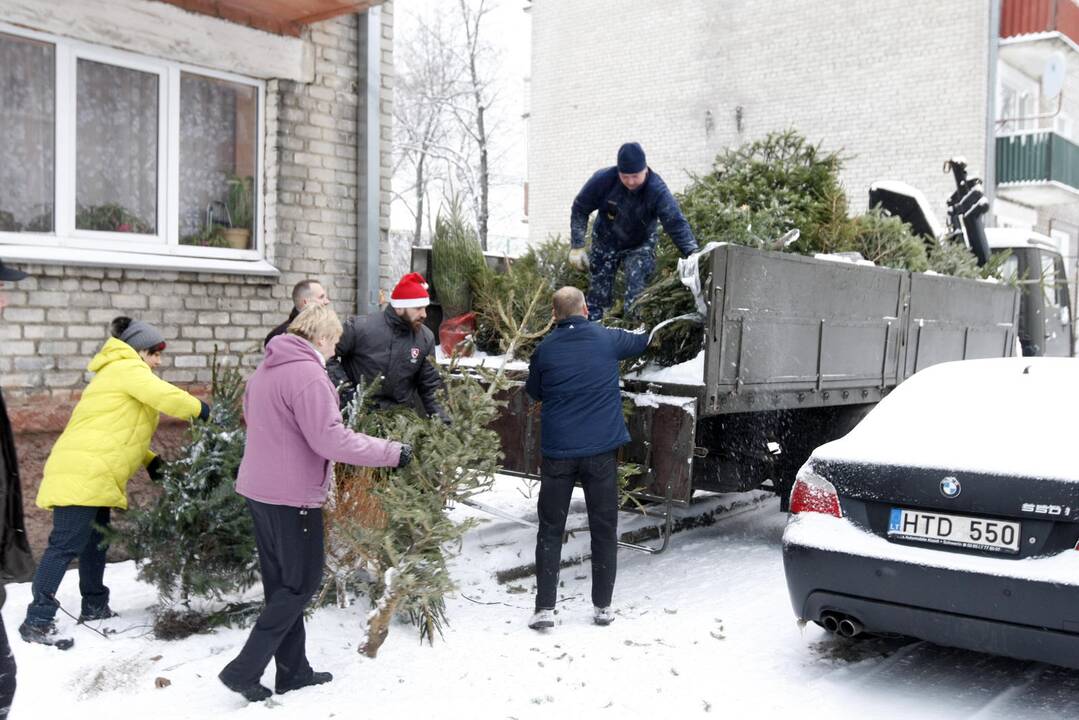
(1053, 75)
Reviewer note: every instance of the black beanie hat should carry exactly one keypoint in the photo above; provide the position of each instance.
(631, 158)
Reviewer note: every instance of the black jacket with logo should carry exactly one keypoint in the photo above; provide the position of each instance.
(384, 344)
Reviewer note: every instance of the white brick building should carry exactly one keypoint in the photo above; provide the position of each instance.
(126, 126)
(898, 86)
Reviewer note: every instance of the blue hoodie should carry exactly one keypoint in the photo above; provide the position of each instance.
(574, 373)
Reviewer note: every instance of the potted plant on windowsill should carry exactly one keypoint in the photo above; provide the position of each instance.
(209, 236)
(240, 208)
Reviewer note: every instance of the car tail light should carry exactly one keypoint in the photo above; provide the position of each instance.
(812, 493)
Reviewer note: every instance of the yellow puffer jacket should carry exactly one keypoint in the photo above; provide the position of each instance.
(108, 436)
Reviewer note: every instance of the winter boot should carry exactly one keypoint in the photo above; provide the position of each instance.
(542, 619)
(315, 678)
(101, 613)
(252, 692)
(44, 635)
(602, 616)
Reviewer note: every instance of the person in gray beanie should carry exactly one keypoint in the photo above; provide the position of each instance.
(105, 442)
(139, 335)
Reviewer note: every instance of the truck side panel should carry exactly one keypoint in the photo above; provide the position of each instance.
(788, 331)
(956, 319)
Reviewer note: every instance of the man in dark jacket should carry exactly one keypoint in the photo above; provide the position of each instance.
(630, 197)
(574, 373)
(304, 293)
(16, 562)
(393, 344)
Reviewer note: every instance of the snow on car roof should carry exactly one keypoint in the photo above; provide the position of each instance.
(1006, 416)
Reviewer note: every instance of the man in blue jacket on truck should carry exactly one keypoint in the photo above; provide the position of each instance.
(629, 198)
(574, 373)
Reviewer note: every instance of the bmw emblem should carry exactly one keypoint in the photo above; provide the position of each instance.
(950, 487)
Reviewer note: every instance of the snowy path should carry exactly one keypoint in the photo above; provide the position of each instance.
(703, 630)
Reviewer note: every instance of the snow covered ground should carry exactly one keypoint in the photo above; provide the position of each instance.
(704, 630)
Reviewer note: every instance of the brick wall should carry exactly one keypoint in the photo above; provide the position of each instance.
(58, 318)
(899, 86)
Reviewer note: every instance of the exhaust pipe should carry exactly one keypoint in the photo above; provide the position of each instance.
(849, 627)
(830, 621)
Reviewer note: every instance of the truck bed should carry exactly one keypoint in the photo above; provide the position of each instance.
(797, 349)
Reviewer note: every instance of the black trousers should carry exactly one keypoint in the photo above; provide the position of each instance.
(7, 672)
(290, 547)
(598, 475)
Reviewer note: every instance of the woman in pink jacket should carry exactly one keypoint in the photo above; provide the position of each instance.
(294, 435)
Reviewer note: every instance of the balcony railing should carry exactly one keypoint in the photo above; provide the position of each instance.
(1041, 167)
(1027, 17)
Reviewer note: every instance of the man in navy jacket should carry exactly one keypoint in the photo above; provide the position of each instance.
(574, 373)
(629, 198)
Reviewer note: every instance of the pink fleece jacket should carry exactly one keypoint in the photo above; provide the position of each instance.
(295, 431)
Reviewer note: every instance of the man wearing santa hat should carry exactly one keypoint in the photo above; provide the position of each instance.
(393, 344)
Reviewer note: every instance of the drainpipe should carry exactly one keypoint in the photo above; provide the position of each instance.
(990, 172)
(368, 166)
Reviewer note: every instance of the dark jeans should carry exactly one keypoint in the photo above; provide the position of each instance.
(73, 535)
(289, 541)
(598, 475)
(7, 672)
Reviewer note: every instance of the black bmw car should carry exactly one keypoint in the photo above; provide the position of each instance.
(949, 514)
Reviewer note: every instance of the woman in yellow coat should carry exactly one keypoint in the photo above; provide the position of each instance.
(106, 440)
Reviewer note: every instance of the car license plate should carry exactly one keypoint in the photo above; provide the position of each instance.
(958, 530)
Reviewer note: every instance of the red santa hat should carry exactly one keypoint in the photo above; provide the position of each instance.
(411, 292)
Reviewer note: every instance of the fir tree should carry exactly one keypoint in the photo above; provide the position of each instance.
(457, 259)
(513, 308)
(393, 523)
(197, 539)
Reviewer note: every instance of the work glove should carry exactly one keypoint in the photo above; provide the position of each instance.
(347, 393)
(204, 411)
(578, 259)
(154, 469)
(406, 455)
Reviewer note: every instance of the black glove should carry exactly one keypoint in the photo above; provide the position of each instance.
(346, 392)
(154, 469)
(406, 455)
(204, 411)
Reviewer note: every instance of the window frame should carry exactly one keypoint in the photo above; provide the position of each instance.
(1026, 90)
(102, 248)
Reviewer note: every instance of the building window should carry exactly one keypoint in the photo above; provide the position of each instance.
(116, 149)
(218, 152)
(104, 150)
(27, 134)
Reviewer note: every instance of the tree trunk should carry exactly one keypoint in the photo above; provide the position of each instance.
(472, 34)
(484, 180)
(378, 627)
(418, 231)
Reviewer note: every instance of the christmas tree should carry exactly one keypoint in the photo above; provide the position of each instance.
(513, 308)
(457, 259)
(393, 523)
(197, 539)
